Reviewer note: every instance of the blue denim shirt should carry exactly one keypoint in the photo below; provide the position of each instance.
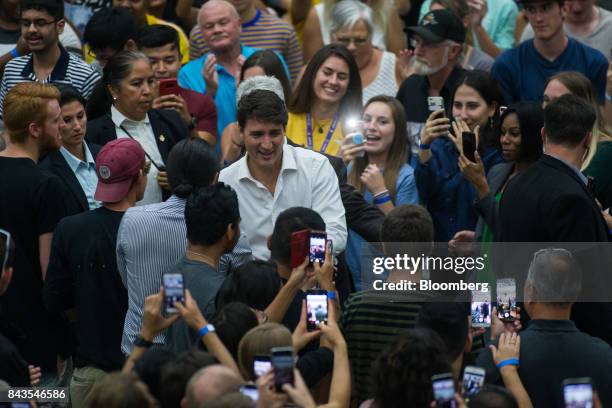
(85, 172)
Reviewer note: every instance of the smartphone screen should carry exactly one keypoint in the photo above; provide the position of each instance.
(444, 390)
(506, 299)
(282, 362)
(578, 395)
(317, 246)
(469, 145)
(250, 391)
(435, 103)
(261, 365)
(174, 291)
(473, 380)
(316, 308)
(481, 309)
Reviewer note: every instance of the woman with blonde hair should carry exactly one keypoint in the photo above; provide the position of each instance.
(598, 163)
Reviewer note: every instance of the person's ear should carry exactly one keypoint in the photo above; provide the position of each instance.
(543, 135)
(60, 25)
(130, 45)
(112, 92)
(34, 129)
(5, 279)
(269, 242)
(587, 140)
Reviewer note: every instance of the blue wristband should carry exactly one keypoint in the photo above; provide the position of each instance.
(510, 361)
(331, 295)
(14, 53)
(381, 200)
(205, 330)
(424, 146)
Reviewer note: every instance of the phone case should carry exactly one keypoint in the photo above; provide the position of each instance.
(299, 247)
(168, 86)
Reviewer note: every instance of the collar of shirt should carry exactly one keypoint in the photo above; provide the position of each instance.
(74, 162)
(221, 69)
(574, 168)
(254, 20)
(120, 119)
(288, 163)
(59, 70)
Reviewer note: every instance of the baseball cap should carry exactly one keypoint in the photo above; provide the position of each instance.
(117, 164)
(439, 25)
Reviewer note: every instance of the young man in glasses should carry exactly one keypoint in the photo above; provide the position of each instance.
(82, 274)
(42, 22)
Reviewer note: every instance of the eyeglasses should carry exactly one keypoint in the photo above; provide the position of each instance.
(5, 242)
(358, 41)
(39, 23)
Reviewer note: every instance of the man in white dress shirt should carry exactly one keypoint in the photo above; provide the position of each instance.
(273, 175)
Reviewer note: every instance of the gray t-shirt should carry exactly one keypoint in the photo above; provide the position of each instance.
(203, 281)
(600, 38)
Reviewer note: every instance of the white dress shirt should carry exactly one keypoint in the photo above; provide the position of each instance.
(306, 179)
(142, 132)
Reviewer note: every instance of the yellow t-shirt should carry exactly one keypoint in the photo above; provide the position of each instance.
(183, 42)
(296, 132)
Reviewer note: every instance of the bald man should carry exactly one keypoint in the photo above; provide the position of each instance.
(209, 383)
(215, 72)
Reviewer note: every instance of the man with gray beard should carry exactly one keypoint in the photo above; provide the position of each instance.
(437, 44)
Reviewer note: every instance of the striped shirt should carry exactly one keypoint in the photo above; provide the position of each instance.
(264, 31)
(68, 70)
(151, 241)
(371, 320)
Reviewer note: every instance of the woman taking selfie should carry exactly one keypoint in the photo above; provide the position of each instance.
(328, 94)
(125, 94)
(442, 187)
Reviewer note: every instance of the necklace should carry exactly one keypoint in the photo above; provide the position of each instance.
(321, 124)
(207, 259)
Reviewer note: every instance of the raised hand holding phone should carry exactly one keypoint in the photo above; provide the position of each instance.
(437, 125)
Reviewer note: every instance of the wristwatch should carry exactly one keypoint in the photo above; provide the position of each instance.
(141, 342)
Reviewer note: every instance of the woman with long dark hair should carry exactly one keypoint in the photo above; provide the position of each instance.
(328, 94)
(122, 107)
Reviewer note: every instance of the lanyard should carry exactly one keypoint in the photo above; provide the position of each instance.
(162, 168)
(327, 138)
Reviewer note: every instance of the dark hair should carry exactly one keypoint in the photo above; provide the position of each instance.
(176, 374)
(231, 323)
(407, 223)
(488, 88)
(208, 212)
(271, 65)
(396, 157)
(568, 119)
(149, 366)
(55, 8)
(157, 35)
(450, 321)
(68, 94)
(493, 396)
(304, 96)
(402, 372)
(262, 105)
(191, 163)
(110, 28)
(531, 119)
(289, 221)
(255, 283)
(118, 68)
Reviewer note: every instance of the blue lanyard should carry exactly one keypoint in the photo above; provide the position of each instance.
(327, 138)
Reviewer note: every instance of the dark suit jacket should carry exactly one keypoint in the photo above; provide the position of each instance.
(76, 202)
(487, 207)
(168, 128)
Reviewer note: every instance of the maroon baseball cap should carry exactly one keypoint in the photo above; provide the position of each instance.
(117, 164)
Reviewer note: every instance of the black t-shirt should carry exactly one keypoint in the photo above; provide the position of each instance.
(31, 204)
(83, 273)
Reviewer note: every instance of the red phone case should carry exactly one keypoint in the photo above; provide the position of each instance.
(300, 241)
(168, 86)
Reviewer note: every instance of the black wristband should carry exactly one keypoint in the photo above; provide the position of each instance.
(141, 342)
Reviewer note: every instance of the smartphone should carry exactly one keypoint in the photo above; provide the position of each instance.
(444, 390)
(250, 390)
(473, 380)
(317, 242)
(506, 299)
(282, 363)
(299, 247)
(435, 103)
(261, 365)
(316, 308)
(168, 86)
(481, 309)
(469, 145)
(174, 291)
(578, 393)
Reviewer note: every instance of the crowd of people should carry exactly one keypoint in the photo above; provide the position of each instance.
(163, 164)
